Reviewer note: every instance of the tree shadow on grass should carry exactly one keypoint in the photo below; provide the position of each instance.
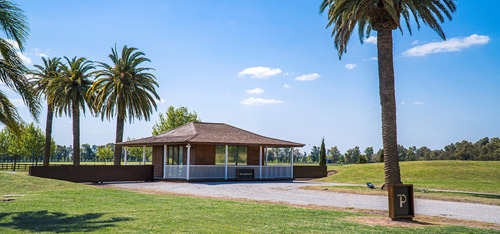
(44, 221)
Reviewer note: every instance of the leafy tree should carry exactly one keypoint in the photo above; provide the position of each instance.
(125, 90)
(175, 117)
(369, 154)
(352, 155)
(87, 153)
(104, 153)
(33, 141)
(14, 27)
(362, 159)
(63, 152)
(380, 154)
(423, 153)
(402, 153)
(322, 153)
(384, 16)
(40, 81)
(335, 154)
(68, 94)
(314, 155)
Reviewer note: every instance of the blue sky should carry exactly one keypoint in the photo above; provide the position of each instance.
(270, 67)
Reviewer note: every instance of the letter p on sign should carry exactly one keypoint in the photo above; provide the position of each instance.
(402, 200)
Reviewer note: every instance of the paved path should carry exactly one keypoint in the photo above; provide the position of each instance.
(289, 192)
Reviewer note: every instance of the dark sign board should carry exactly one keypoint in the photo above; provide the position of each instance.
(245, 174)
(401, 204)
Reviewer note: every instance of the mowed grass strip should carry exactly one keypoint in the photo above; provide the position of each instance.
(474, 176)
(59, 206)
(489, 199)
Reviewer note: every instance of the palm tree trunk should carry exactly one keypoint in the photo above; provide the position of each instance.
(388, 103)
(76, 135)
(48, 135)
(119, 138)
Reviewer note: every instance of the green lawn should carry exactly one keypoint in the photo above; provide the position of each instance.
(57, 206)
(476, 176)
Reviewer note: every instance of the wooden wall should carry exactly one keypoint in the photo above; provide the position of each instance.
(253, 155)
(203, 154)
(95, 173)
(158, 160)
(309, 171)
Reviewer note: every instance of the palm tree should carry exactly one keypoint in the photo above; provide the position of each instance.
(384, 16)
(68, 94)
(124, 90)
(39, 83)
(12, 70)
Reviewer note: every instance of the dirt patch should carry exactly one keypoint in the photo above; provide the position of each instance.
(388, 222)
(332, 172)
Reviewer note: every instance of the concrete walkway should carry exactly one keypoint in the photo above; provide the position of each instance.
(289, 192)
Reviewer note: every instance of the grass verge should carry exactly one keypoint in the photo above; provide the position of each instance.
(490, 199)
(58, 206)
(473, 176)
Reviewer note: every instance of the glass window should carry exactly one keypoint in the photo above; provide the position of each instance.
(181, 155)
(220, 155)
(242, 155)
(236, 155)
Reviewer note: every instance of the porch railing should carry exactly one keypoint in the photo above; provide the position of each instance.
(218, 171)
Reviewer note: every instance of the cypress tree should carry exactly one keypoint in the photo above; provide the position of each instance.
(322, 153)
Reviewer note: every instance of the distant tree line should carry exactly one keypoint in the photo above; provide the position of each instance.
(485, 149)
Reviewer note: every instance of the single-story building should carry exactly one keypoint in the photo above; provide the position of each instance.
(213, 151)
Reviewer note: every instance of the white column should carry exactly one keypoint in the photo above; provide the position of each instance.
(144, 155)
(188, 160)
(125, 155)
(164, 161)
(260, 163)
(225, 168)
(291, 167)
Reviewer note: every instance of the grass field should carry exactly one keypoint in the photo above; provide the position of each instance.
(475, 176)
(58, 206)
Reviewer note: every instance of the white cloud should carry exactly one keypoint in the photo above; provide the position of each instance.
(17, 102)
(418, 103)
(308, 77)
(287, 73)
(286, 86)
(260, 72)
(259, 101)
(450, 45)
(22, 56)
(13, 43)
(351, 66)
(160, 101)
(255, 91)
(370, 59)
(26, 59)
(371, 40)
(41, 54)
(402, 103)
(414, 42)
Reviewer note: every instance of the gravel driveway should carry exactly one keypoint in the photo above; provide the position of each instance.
(289, 192)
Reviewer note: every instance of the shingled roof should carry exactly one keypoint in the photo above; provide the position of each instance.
(209, 133)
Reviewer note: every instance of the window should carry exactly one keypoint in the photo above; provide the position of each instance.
(175, 155)
(236, 155)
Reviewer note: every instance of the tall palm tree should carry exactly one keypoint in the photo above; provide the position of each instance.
(68, 94)
(39, 83)
(12, 70)
(384, 16)
(124, 90)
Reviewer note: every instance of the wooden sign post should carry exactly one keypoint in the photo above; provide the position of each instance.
(401, 202)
